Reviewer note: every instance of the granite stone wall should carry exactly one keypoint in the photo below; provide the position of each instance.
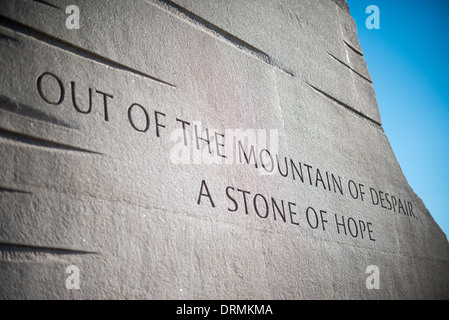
(197, 149)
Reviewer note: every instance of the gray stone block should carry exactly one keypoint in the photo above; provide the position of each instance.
(201, 150)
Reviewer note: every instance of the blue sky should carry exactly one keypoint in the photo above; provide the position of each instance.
(408, 61)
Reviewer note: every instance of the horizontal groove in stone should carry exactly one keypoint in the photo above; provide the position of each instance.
(216, 31)
(20, 247)
(67, 46)
(347, 107)
(26, 139)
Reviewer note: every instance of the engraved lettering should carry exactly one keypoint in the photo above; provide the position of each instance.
(146, 125)
(41, 92)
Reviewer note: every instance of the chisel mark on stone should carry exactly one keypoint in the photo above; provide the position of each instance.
(352, 69)
(30, 248)
(360, 53)
(39, 142)
(347, 107)
(9, 105)
(47, 4)
(67, 46)
(12, 190)
(220, 33)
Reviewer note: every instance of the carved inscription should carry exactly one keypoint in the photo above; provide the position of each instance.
(288, 212)
(192, 136)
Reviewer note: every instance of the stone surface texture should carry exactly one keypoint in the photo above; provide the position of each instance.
(112, 144)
